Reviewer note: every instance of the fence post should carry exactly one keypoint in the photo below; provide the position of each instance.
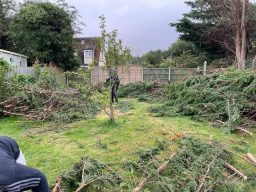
(205, 65)
(91, 75)
(142, 73)
(169, 74)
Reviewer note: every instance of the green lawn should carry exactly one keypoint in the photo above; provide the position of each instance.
(54, 149)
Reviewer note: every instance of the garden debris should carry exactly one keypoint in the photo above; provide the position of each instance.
(227, 98)
(235, 170)
(160, 169)
(57, 187)
(125, 106)
(141, 90)
(251, 158)
(46, 98)
(195, 166)
(244, 131)
(88, 175)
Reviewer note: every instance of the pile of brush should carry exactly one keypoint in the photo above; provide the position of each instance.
(194, 166)
(44, 97)
(227, 98)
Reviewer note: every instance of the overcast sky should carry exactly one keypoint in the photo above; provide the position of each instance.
(141, 24)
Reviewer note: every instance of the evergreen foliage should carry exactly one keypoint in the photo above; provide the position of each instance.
(90, 173)
(196, 166)
(140, 90)
(193, 161)
(45, 97)
(227, 97)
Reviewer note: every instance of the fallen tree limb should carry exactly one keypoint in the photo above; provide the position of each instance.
(160, 169)
(235, 170)
(203, 178)
(246, 159)
(16, 114)
(57, 187)
(244, 131)
(251, 158)
(4, 102)
(86, 184)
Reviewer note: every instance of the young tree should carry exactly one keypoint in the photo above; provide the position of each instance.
(44, 32)
(229, 23)
(115, 54)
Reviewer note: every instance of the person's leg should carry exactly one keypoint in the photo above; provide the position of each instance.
(112, 95)
(116, 98)
(27, 178)
(21, 159)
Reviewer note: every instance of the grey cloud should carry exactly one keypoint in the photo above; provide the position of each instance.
(142, 24)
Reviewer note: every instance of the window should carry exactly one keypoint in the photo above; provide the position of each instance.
(88, 53)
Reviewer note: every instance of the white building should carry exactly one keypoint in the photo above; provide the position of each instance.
(14, 59)
(88, 50)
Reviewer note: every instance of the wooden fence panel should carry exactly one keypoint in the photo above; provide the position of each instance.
(126, 75)
(133, 74)
(154, 74)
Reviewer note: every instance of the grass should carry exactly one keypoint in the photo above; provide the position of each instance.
(54, 149)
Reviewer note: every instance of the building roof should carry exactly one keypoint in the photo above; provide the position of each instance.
(12, 53)
(88, 42)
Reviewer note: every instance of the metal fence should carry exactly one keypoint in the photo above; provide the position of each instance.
(167, 74)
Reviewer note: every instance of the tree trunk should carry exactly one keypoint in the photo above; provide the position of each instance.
(238, 47)
(241, 35)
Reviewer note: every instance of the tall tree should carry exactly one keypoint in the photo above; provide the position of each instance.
(228, 23)
(115, 54)
(44, 32)
(7, 9)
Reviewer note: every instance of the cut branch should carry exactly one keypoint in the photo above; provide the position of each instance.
(244, 131)
(203, 178)
(57, 187)
(235, 170)
(251, 158)
(160, 169)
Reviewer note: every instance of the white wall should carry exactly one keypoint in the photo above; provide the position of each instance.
(102, 60)
(14, 60)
